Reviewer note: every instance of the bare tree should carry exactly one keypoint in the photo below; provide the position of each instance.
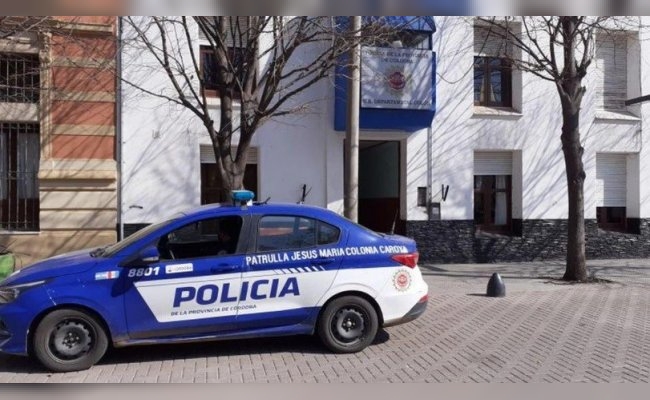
(560, 49)
(258, 61)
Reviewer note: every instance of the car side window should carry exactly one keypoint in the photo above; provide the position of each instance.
(283, 232)
(279, 232)
(327, 234)
(205, 238)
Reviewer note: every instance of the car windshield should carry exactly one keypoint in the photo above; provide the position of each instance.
(115, 248)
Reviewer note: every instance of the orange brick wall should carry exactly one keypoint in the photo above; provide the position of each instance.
(75, 56)
(82, 147)
(79, 79)
(83, 113)
(94, 19)
(78, 46)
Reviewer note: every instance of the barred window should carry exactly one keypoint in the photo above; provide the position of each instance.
(19, 78)
(19, 160)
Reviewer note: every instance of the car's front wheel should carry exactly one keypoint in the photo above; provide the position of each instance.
(348, 324)
(69, 340)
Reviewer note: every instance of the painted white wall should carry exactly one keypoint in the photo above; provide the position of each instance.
(163, 174)
(644, 88)
(160, 152)
(533, 132)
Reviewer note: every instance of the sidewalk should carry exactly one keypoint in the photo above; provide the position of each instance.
(538, 275)
(543, 330)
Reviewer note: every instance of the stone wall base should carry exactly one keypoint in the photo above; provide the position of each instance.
(456, 241)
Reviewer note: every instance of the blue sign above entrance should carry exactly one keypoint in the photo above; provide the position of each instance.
(397, 78)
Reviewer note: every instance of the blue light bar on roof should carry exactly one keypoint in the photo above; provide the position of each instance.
(242, 196)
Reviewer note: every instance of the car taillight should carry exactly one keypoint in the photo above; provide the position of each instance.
(410, 259)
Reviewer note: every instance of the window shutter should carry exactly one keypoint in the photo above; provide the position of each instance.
(207, 155)
(489, 42)
(611, 180)
(611, 71)
(234, 29)
(492, 163)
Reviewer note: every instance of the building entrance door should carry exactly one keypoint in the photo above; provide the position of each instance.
(379, 186)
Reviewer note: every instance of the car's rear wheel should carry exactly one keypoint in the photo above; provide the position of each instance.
(348, 324)
(69, 340)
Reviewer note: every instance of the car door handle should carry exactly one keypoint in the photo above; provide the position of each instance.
(224, 268)
(323, 261)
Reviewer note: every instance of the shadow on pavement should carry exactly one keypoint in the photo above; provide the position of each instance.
(170, 352)
(20, 365)
(551, 272)
(223, 348)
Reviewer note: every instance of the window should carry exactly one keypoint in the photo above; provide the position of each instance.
(19, 161)
(492, 82)
(210, 70)
(611, 218)
(493, 191)
(291, 232)
(19, 78)
(212, 188)
(611, 71)
(327, 234)
(206, 238)
(611, 191)
(408, 39)
(493, 77)
(19, 145)
(237, 32)
(492, 202)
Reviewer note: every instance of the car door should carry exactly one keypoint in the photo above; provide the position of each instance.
(291, 263)
(194, 286)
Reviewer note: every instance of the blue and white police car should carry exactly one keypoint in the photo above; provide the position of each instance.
(219, 271)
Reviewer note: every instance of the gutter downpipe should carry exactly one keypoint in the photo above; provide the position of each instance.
(118, 127)
(429, 171)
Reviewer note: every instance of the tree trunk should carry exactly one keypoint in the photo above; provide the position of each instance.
(576, 261)
(571, 92)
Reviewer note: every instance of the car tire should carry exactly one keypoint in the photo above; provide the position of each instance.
(348, 324)
(69, 340)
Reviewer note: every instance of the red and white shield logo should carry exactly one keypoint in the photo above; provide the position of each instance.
(402, 280)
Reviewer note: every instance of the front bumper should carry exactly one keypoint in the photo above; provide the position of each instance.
(4, 333)
(16, 318)
(13, 332)
(417, 310)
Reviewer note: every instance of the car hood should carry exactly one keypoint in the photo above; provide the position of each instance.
(64, 264)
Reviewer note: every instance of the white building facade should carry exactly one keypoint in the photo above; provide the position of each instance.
(482, 181)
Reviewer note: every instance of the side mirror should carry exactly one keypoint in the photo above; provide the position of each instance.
(146, 256)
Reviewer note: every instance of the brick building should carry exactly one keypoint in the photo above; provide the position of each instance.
(58, 174)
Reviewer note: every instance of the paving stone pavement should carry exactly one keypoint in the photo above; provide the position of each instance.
(543, 330)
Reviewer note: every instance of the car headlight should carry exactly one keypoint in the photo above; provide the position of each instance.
(11, 293)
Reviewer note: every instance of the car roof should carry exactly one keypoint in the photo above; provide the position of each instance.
(270, 208)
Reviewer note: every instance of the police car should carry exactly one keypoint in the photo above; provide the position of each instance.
(220, 271)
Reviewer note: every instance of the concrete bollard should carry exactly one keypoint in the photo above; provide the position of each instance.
(496, 287)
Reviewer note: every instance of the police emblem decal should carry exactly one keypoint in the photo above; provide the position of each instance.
(402, 280)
